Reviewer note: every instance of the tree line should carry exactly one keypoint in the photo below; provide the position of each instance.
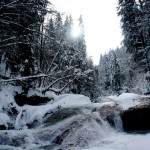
(42, 54)
(126, 69)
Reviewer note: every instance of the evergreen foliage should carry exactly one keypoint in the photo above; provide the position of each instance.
(110, 76)
(136, 30)
(119, 73)
(30, 47)
(68, 56)
(20, 23)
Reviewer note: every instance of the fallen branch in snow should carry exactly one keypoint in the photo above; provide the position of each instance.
(8, 79)
(44, 89)
(57, 91)
(49, 87)
(4, 77)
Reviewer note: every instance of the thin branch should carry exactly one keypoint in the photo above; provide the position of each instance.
(7, 79)
(9, 4)
(58, 91)
(50, 85)
(53, 61)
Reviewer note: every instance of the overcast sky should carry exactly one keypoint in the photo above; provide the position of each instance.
(102, 25)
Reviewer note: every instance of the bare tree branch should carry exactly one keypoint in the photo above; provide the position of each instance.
(50, 85)
(7, 79)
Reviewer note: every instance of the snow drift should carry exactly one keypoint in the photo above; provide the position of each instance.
(67, 122)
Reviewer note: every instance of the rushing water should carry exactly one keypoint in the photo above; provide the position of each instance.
(115, 141)
(119, 140)
(118, 123)
(122, 141)
(105, 137)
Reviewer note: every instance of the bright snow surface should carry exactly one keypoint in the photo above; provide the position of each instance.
(4, 119)
(32, 113)
(121, 141)
(126, 100)
(112, 141)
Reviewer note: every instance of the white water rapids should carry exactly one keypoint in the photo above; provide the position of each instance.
(70, 127)
(110, 139)
(123, 141)
(119, 140)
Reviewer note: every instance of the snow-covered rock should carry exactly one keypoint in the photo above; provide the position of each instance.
(137, 118)
(7, 96)
(30, 114)
(126, 100)
(4, 120)
(109, 111)
(70, 120)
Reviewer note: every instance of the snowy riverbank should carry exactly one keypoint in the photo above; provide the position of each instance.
(68, 122)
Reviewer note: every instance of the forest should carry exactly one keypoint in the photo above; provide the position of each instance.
(42, 54)
(48, 82)
(127, 68)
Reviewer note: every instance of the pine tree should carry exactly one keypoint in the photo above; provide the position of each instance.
(49, 48)
(132, 16)
(20, 25)
(115, 73)
(104, 75)
(145, 30)
(81, 40)
(110, 75)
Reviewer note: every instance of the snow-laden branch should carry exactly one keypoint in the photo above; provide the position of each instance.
(53, 60)
(14, 43)
(57, 91)
(9, 4)
(7, 79)
(49, 87)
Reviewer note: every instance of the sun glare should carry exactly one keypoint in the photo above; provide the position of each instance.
(100, 33)
(76, 31)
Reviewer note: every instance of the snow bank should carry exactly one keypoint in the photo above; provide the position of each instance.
(99, 105)
(123, 142)
(4, 119)
(79, 129)
(142, 143)
(7, 96)
(33, 92)
(30, 113)
(127, 100)
(73, 100)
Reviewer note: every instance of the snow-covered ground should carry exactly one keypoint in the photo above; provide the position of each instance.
(122, 141)
(115, 141)
(89, 126)
(126, 100)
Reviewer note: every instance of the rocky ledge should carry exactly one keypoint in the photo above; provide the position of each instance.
(137, 119)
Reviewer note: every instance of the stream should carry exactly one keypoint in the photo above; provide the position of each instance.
(69, 124)
(110, 139)
(123, 141)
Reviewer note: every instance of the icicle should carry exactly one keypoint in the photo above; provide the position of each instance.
(17, 126)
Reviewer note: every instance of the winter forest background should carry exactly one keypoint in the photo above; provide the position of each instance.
(42, 55)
